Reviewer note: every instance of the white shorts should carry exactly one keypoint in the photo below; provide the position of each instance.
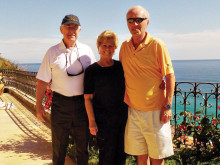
(144, 134)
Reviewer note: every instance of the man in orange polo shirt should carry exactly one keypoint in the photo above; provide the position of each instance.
(146, 62)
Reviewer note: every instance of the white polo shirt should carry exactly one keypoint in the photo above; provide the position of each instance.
(53, 67)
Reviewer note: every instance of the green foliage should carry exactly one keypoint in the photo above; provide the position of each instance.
(71, 149)
(131, 160)
(93, 155)
(2, 79)
(206, 134)
(6, 64)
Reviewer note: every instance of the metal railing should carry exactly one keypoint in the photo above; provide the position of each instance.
(188, 96)
(22, 80)
(194, 97)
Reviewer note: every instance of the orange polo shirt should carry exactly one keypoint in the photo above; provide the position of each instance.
(144, 69)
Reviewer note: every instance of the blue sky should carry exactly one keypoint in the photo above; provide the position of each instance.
(190, 29)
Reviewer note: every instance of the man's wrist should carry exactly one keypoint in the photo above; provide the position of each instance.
(168, 106)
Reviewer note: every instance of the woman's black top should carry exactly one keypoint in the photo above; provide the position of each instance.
(108, 86)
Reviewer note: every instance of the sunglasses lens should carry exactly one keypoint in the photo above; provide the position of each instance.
(130, 20)
(139, 20)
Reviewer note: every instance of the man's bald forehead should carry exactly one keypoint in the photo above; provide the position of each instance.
(140, 9)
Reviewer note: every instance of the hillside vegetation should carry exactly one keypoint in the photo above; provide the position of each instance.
(6, 64)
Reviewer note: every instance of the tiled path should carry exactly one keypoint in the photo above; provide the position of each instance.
(23, 139)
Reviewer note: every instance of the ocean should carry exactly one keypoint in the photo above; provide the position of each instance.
(31, 67)
(186, 71)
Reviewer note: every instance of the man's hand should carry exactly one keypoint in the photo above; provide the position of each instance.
(165, 115)
(162, 86)
(40, 112)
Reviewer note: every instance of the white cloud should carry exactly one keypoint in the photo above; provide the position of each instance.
(200, 45)
(26, 50)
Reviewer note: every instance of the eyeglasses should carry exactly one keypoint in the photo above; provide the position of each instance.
(138, 20)
(70, 74)
(72, 28)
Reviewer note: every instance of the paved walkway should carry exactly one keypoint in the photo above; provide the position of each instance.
(23, 139)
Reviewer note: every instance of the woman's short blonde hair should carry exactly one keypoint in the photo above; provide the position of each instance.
(107, 34)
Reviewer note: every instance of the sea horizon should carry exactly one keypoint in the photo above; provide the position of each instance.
(198, 70)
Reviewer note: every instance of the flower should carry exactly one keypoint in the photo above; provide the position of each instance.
(49, 95)
(47, 106)
(202, 135)
(183, 127)
(213, 122)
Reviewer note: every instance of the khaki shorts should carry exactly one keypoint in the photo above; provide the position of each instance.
(144, 134)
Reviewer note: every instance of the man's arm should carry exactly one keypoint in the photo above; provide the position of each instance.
(40, 92)
(166, 114)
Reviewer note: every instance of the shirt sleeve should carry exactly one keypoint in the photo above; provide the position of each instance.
(164, 60)
(89, 81)
(44, 72)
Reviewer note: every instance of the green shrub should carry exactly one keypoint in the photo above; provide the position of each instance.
(206, 138)
(6, 64)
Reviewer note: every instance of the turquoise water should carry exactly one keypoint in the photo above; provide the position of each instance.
(188, 71)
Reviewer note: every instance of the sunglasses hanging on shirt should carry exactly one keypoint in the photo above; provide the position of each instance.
(78, 59)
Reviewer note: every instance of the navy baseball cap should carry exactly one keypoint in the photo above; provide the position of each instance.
(70, 19)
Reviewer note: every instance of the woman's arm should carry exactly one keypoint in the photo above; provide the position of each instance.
(89, 109)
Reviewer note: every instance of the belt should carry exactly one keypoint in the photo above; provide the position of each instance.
(60, 96)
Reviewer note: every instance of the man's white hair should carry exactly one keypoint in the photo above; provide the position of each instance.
(146, 13)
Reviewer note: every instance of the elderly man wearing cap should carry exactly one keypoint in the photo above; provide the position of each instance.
(63, 66)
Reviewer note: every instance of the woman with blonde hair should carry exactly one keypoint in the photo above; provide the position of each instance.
(104, 94)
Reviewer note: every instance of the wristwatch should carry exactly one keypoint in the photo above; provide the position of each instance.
(168, 106)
